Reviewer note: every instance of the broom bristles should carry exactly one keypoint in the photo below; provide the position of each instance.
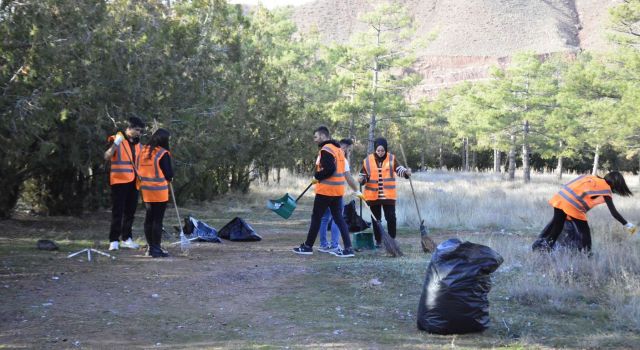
(390, 244)
(428, 245)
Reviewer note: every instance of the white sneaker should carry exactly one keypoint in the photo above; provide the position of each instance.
(114, 245)
(129, 243)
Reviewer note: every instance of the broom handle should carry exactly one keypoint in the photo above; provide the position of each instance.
(175, 205)
(303, 192)
(360, 201)
(411, 184)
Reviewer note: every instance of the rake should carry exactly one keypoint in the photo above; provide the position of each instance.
(428, 245)
(185, 243)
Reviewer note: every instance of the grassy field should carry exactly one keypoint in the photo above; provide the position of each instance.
(262, 296)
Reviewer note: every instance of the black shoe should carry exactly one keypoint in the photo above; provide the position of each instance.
(157, 252)
(344, 253)
(303, 250)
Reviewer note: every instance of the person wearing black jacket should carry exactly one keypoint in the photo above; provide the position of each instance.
(330, 182)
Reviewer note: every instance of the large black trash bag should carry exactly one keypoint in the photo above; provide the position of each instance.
(454, 297)
(354, 221)
(569, 239)
(196, 228)
(239, 230)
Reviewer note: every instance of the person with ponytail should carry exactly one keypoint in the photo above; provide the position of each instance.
(574, 200)
(155, 171)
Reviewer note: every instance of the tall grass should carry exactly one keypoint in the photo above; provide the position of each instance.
(510, 214)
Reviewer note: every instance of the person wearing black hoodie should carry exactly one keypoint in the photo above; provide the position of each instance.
(378, 175)
(330, 182)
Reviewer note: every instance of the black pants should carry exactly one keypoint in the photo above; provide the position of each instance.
(389, 215)
(153, 224)
(556, 225)
(320, 205)
(124, 199)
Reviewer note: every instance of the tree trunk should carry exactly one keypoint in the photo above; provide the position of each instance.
(440, 160)
(596, 159)
(422, 156)
(559, 168)
(525, 153)
(465, 154)
(374, 88)
(512, 157)
(496, 161)
(474, 160)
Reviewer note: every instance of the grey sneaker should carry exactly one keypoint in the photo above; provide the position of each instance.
(129, 243)
(325, 249)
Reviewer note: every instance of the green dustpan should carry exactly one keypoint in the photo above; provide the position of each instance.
(286, 205)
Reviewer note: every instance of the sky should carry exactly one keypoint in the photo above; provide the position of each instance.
(270, 3)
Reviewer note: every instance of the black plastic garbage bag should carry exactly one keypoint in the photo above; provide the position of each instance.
(239, 230)
(196, 228)
(570, 238)
(354, 221)
(454, 297)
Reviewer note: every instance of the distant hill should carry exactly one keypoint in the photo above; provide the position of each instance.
(473, 35)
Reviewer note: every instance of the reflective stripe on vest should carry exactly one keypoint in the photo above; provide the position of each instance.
(335, 185)
(578, 196)
(121, 163)
(153, 185)
(388, 183)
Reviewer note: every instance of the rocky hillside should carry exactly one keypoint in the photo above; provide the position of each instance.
(473, 35)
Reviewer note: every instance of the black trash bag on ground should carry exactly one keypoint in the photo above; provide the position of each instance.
(570, 238)
(454, 297)
(196, 228)
(45, 244)
(238, 230)
(354, 221)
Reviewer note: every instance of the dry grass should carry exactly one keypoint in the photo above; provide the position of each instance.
(507, 216)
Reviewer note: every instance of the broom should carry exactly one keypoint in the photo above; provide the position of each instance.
(390, 244)
(428, 245)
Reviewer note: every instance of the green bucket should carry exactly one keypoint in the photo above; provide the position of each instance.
(362, 240)
(283, 206)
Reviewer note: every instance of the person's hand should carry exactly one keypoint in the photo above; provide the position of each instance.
(630, 228)
(119, 138)
(361, 179)
(314, 181)
(359, 195)
(408, 172)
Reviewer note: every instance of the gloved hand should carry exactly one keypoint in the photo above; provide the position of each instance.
(314, 181)
(408, 172)
(119, 138)
(359, 195)
(630, 228)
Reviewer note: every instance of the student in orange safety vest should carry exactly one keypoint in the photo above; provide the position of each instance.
(123, 149)
(330, 184)
(577, 197)
(155, 171)
(378, 175)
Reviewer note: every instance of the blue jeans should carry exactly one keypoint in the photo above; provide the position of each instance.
(327, 220)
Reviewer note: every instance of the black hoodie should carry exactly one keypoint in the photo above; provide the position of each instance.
(327, 162)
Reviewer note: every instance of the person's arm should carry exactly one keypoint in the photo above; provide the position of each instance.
(400, 170)
(351, 181)
(613, 211)
(165, 165)
(328, 165)
(115, 143)
(363, 177)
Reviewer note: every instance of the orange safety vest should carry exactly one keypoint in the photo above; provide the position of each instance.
(578, 196)
(335, 185)
(121, 163)
(388, 183)
(153, 185)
